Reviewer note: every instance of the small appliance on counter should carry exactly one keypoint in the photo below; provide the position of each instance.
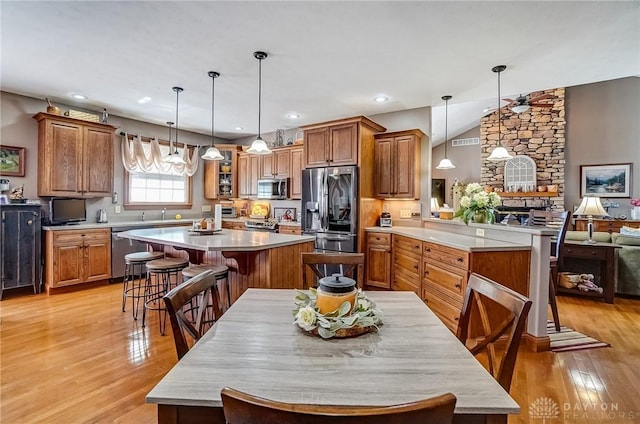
(102, 216)
(385, 217)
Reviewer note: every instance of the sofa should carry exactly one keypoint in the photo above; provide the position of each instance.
(628, 256)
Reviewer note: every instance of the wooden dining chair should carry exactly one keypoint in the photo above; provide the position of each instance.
(489, 312)
(243, 408)
(193, 307)
(558, 221)
(320, 264)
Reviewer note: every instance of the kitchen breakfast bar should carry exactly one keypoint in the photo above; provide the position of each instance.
(255, 259)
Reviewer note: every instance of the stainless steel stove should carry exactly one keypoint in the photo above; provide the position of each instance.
(262, 225)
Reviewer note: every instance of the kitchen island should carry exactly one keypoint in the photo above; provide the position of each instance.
(255, 259)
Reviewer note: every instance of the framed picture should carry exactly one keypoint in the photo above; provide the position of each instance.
(612, 180)
(437, 190)
(284, 214)
(12, 161)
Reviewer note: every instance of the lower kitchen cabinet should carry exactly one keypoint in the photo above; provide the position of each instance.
(378, 269)
(233, 225)
(407, 264)
(290, 229)
(77, 257)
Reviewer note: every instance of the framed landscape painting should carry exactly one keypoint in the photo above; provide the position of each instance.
(12, 161)
(613, 180)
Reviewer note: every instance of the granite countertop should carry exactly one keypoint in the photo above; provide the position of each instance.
(157, 223)
(228, 240)
(457, 241)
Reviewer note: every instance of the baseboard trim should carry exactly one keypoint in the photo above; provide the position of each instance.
(537, 344)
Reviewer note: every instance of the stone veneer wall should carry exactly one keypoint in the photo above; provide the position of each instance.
(538, 133)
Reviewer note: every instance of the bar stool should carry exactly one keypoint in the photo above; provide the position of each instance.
(135, 273)
(221, 272)
(162, 276)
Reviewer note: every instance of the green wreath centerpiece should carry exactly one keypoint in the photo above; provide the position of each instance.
(345, 321)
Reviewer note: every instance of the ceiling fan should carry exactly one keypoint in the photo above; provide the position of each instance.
(521, 103)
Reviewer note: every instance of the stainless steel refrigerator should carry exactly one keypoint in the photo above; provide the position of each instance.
(329, 207)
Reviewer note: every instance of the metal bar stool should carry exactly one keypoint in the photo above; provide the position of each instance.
(221, 272)
(162, 276)
(135, 273)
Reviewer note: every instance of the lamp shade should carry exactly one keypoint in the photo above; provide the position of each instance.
(499, 154)
(445, 164)
(259, 147)
(212, 153)
(591, 206)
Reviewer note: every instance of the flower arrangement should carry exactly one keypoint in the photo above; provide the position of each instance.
(477, 204)
(635, 202)
(364, 315)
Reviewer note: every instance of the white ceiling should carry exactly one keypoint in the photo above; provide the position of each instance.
(327, 60)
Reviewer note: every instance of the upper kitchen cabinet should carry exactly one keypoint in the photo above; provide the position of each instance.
(295, 183)
(397, 159)
(75, 157)
(339, 143)
(277, 164)
(248, 174)
(221, 176)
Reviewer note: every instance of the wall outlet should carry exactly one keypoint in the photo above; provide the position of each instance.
(479, 232)
(206, 208)
(118, 209)
(405, 213)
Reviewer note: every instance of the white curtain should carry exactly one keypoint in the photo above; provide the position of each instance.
(147, 157)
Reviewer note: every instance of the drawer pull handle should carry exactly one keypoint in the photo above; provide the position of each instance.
(460, 260)
(456, 319)
(415, 267)
(458, 286)
(427, 250)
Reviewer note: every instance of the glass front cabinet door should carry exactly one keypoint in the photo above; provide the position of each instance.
(221, 176)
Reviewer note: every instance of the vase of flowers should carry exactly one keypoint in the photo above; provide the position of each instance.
(478, 205)
(635, 210)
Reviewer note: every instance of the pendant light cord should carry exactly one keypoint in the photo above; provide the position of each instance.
(499, 131)
(259, 93)
(213, 89)
(446, 121)
(177, 90)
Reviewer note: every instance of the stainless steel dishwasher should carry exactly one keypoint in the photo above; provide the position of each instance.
(122, 246)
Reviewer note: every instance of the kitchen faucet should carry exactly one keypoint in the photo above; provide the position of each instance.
(163, 212)
(142, 217)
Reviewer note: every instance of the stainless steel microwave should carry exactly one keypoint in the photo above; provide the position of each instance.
(273, 188)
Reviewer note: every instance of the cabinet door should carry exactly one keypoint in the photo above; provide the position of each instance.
(295, 189)
(343, 141)
(98, 162)
(60, 167)
(210, 179)
(316, 142)
(282, 160)
(254, 169)
(20, 251)
(268, 166)
(243, 175)
(97, 264)
(404, 172)
(68, 260)
(384, 174)
(379, 266)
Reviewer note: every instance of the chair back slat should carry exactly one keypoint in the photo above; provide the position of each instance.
(556, 220)
(243, 408)
(352, 266)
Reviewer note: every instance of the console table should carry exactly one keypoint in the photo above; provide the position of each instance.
(606, 225)
(597, 259)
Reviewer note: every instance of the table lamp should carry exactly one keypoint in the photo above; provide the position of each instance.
(590, 206)
(435, 207)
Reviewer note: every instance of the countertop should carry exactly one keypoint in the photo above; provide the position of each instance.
(227, 240)
(457, 241)
(95, 225)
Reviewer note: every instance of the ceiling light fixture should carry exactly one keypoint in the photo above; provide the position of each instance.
(143, 100)
(79, 96)
(238, 128)
(212, 152)
(499, 154)
(258, 146)
(380, 99)
(174, 157)
(445, 163)
(293, 116)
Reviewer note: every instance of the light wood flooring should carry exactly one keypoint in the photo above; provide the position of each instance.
(76, 358)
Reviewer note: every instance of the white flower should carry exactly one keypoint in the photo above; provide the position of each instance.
(473, 188)
(363, 304)
(306, 318)
(465, 202)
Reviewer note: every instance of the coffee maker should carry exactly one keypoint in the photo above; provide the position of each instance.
(385, 217)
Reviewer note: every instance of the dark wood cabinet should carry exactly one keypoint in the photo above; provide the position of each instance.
(20, 248)
(397, 158)
(75, 157)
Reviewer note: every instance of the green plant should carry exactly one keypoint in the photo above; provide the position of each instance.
(477, 201)
(363, 314)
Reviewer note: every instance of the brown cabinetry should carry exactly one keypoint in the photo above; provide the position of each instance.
(295, 181)
(221, 176)
(277, 164)
(397, 159)
(77, 256)
(407, 264)
(378, 269)
(75, 157)
(290, 229)
(606, 225)
(248, 174)
(233, 225)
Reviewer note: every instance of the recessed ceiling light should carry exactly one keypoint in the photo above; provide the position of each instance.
(380, 99)
(239, 128)
(79, 96)
(293, 116)
(143, 100)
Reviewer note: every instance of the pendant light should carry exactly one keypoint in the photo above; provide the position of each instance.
(499, 154)
(212, 152)
(258, 146)
(174, 157)
(445, 163)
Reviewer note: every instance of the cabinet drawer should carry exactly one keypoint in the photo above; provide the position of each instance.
(451, 280)
(379, 239)
(446, 255)
(284, 229)
(407, 264)
(584, 251)
(404, 282)
(97, 235)
(66, 237)
(409, 245)
(448, 313)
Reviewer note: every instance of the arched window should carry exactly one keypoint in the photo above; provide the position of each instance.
(520, 174)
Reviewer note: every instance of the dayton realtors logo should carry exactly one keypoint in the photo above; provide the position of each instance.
(547, 409)
(544, 408)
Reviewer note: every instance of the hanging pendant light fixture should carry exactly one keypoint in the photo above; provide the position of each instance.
(212, 152)
(174, 157)
(445, 163)
(499, 154)
(258, 146)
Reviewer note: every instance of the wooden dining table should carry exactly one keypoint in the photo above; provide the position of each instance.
(255, 347)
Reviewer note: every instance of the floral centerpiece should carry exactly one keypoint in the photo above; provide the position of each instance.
(346, 321)
(635, 211)
(478, 205)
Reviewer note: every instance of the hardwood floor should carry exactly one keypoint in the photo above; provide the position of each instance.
(76, 358)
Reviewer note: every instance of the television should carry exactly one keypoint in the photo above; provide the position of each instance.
(67, 211)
